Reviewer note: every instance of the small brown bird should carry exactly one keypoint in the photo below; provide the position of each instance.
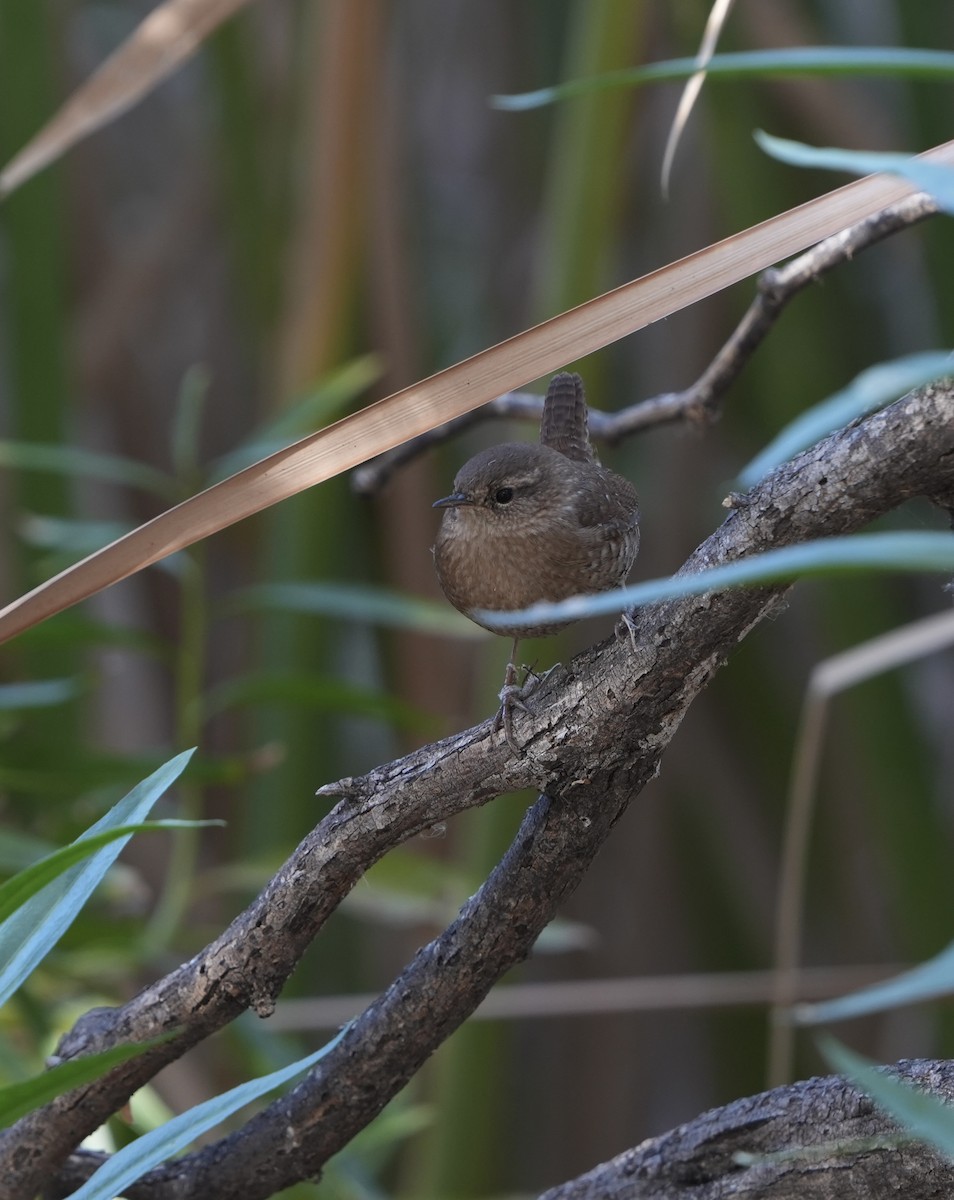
(527, 523)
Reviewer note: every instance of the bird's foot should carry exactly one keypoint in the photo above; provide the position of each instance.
(511, 696)
(626, 627)
(514, 695)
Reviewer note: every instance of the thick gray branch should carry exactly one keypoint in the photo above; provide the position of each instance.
(599, 727)
(817, 1140)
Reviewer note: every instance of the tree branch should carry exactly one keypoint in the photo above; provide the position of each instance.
(596, 734)
(819, 1138)
(702, 400)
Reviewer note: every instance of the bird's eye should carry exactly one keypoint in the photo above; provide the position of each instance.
(503, 495)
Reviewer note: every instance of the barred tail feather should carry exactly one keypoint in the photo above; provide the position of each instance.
(564, 423)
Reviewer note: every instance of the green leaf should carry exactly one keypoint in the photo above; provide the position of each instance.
(17, 1099)
(797, 60)
(872, 389)
(77, 463)
(318, 408)
(73, 630)
(33, 930)
(917, 551)
(923, 982)
(16, 891)
(406, 889)
(132, 1162)
(370, 1151)
(20, 850)
(934, 178)
(330, 695)
(187, 420)
(926, 1117)
(73, 537)
(353, 602)
(70, 535)
(43, 693)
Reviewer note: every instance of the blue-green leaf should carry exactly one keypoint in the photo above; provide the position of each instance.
(937, 179)
(41, 693)
(353, 602)
(863, 552)
(140, 1156)
(872, 389)
(922, 1115)
(76, 463)
(923, 982)
(33, 930)
(797, 60)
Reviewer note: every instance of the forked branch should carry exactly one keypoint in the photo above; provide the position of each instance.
(599, 727)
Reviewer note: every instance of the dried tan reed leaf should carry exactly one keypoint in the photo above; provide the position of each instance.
(459, 389)
(718, 15)
(171, 33)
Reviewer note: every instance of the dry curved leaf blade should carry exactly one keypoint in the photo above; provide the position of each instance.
(171, 33)
(718, 16)
(459, 389)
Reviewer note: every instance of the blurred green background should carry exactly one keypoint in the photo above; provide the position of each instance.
(321, 208)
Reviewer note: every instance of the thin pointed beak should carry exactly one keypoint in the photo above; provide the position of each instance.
(453, 500)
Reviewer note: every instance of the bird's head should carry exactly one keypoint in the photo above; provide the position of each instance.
(516, 483)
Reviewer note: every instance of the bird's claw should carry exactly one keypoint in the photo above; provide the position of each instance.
(626, 627)
(514, 695)
(511, 696)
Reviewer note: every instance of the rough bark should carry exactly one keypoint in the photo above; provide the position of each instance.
(598, 728)
(816, 1140)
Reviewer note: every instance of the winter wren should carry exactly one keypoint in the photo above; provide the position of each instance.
(527, 523)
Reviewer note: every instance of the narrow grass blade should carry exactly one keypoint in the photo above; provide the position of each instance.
(73, 535)
(34, 929)
(18, 1099)
(76, 463)
(140, 1156)
(352, 602)
(872, 389)
(863, 552)
(69, 534)
(922, 1115)
(26, 883)
(798, 60)
(924, 982)
(319, 407)
(936, 180)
